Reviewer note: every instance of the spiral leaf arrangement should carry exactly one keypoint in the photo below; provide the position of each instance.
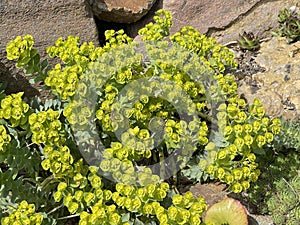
(289, 24)
(247, 41)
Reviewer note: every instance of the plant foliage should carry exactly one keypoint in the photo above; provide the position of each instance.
(289, 24)
(284, 205)
(186, 106)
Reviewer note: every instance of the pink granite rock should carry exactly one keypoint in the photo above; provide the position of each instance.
(128, 11)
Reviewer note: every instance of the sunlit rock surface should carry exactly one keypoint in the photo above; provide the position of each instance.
(279, 86)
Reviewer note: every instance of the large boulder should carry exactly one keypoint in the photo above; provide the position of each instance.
(206, 14)
(128, 11)
(260, 19)
(223, 20)
(46, 21)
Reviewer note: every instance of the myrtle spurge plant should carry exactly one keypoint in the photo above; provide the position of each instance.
(14, 110)
(21, 49)
(5, 138)
(212, 54)
(46, 128)
(244, 137)
(23, 214)
(158, 109)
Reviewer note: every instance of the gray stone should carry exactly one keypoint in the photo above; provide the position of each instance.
(46, 21)
(128, 11)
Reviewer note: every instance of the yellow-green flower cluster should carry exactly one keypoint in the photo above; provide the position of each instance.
(203, 132)
(136, 144)
(145, 108)
(69, 112)
(102, 214)
(76, 57)
(105, 107)
(226, 88)
(5, 138)
(24, 214)
(236, 173)
(159, 29)
(192, 88)
(71, 52)
(77, 113)
(146, 200)
(109, 103)
(246, 134)
(113, 111)
(254, 127)
(80, 186)
(212, 54)
(175, 130)
(64, 81)
(148, 107)
(14, 109)
(122, 77)
(58, 160)
(46, 128)
(115, 39)
(82, 189)
(185, 210)
(124, 171)
(21, 48)
(139, 199)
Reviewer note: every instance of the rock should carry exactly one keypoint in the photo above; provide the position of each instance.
(206, 14)
(280, 83)
(132, 29)
(128, 11)
(261, 19)
(223, 20)
(260, 220)
(270, 99)
(46, 21)
(212, 192)
(17, 83)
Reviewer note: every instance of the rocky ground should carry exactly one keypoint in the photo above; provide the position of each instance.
(272, 74)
